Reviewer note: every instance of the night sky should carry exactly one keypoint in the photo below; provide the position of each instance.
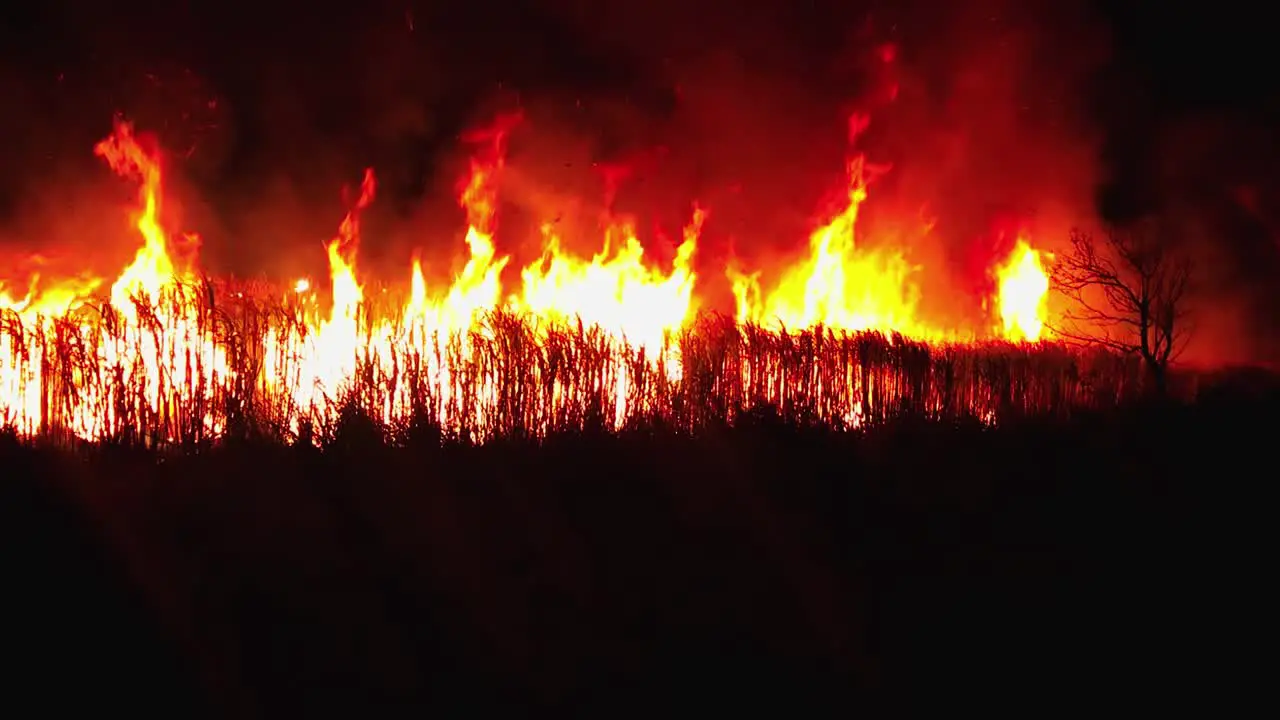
(1061, 111)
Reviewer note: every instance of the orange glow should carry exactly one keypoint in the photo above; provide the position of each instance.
(163, 332)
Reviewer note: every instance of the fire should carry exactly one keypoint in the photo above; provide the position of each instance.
(153, 268)
(53, 301)
(331, 343)
(163, 336)
(158, 333)
(1023, 289)
(615, 291)
(839, 285)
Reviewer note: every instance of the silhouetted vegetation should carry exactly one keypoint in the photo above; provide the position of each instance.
(921, 565)
(200, 365)
(1128, 293)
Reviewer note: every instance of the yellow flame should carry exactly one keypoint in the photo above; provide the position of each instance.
(839, 285)
(308, 364)
(1024, 285)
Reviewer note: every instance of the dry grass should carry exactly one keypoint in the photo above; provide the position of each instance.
(518, 377)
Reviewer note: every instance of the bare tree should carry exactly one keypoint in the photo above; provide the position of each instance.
(1127, 292)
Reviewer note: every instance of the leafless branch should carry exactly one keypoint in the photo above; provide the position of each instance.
(1126, 292)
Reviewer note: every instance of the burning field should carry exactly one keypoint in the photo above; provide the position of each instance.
(163, 355)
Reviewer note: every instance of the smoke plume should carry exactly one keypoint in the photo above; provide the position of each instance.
(984, 114)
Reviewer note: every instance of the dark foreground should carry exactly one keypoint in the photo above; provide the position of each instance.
(1114, 563)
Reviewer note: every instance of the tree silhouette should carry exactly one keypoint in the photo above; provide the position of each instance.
(1127, 291)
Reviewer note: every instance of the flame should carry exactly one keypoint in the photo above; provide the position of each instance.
(52, 301)
(160, 336)
(152, 268)
(839, 285)
(615, 291)
(330, 355)
(165, 337)
(1023, 287)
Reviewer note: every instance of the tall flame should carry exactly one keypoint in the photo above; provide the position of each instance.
(152, 268)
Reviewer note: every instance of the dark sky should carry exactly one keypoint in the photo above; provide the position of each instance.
(1057, 110)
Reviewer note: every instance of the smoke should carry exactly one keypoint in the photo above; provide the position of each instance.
(742, 109)
(1212, 178)
(983, 113)
(59, 211)
(979, 111)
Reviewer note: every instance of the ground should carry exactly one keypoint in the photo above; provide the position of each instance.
(1111, 559)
